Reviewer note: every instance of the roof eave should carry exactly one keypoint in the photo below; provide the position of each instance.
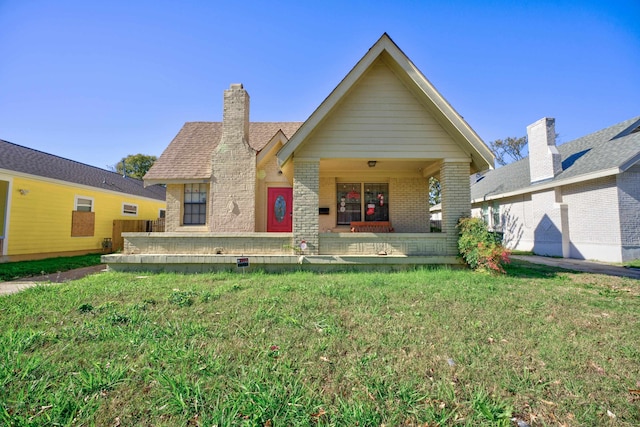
(550, 184)
(166, 181)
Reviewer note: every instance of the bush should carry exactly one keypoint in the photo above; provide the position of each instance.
(480, 248)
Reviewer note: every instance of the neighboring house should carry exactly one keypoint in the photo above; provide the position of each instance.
(361, 161)
(51, 206)
(579, 200)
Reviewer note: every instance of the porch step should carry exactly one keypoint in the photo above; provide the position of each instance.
(271, 263)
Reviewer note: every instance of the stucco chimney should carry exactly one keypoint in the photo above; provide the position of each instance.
(235, 117)
(544, 158)
(233, 168)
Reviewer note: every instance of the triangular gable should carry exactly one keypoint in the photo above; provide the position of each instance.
(278, 140)
(449, 119)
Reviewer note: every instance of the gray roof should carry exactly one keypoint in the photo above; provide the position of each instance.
(17, 158)
(616, 147)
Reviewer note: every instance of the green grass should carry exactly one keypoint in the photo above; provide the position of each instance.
(19, 269)
(635, 263)
(417, 348)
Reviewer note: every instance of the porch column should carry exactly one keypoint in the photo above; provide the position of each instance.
(306, 185)
(456, 199)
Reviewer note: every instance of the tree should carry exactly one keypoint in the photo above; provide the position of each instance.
(135, 165)
(509, 149)
(434, 191)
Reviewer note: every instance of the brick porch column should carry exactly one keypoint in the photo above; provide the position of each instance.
(306, 184)
(456, 200)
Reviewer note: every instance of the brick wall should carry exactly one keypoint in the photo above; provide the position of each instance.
(306, 185)
(547, 223)
(409, 205)
(174, 207)
(629, 202)
(456, 200)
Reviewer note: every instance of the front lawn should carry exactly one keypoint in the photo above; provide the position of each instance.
(418, 348)
(20, 269)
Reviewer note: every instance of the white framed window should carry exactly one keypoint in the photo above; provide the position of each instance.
(83, 204)
(496, 218)
(129, 209)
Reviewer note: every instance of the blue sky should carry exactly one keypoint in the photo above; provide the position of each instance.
(94, 81)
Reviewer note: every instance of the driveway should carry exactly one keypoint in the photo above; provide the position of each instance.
(45, 279)
(582, 265)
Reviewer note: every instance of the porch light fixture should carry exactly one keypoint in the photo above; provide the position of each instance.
(372, 163)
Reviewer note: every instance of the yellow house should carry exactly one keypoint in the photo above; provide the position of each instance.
(51, 206)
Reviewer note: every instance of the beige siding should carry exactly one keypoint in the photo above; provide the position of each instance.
(380, 118)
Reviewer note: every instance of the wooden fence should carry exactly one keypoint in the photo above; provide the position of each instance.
(132, 225)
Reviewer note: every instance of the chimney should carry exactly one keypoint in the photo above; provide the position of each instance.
(544, 158)
(235, 117)
(233, 168)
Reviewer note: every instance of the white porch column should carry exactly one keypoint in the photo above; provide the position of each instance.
(306, 185)
(456, 199)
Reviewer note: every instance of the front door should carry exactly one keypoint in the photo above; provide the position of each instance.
(279, 209)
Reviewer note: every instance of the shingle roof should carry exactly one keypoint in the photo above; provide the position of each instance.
(188, 156)
(615, 147)
(17, 158)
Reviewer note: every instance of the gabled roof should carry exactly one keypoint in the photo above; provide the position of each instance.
(481, 155)
(606, 152)
(16, 158)
(188, 156)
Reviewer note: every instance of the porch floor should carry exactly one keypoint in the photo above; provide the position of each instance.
(189, 263)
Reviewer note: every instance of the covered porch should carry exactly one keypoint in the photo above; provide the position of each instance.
(274, 252)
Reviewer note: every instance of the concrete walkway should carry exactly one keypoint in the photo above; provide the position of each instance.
(48, 279)
(582, 265)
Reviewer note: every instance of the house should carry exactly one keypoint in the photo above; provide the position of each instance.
(51, 206)
(578, 200)
(292, 193)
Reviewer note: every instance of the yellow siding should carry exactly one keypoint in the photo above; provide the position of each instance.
(40, 221)
(380, 118)
(4, 188)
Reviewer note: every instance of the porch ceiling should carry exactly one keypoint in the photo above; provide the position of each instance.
(390, 166)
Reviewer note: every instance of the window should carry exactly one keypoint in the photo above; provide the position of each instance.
(84, 204)
(195, 204)
(129, 209)
(485, 213)
(358, 202)
(496, 222)
(162, 213)
(83, 218)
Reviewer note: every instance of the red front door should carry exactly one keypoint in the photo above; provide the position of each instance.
(279, 209)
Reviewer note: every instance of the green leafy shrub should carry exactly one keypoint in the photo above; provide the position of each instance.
(480, 248)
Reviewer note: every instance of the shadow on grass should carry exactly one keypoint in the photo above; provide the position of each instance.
(525, 269)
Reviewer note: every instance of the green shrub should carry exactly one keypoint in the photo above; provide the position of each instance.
(480, 248)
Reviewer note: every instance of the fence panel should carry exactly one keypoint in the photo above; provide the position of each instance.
(131, 226)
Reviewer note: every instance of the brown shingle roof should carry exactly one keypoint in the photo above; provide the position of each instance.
(188, 156)
(16, 158)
